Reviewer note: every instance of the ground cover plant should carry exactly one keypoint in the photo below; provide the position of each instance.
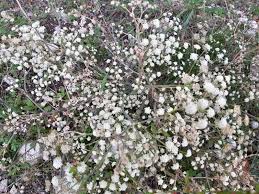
(130, 96)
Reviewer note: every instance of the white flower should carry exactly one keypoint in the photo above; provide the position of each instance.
(170, 146)
(55, 181)
(145, 42)
(118, 128)
(204, 66)
(160, 112)
(157, 51)
(156, 23)
(210, 112)
(148, 110)
(203, 104)
(123, 187)
(81, 168)
(65, 148)
(194, 56)
(175, 166)
(210, 88)
(161, 99)
(57, 162)
(179, 156)
(185, 142)
(164, 158)
(191, 108)
(197, 47)
(222, 123)
(185, 45)
(145, 26)
(201, 124)
(180, 55)
(103, 184)
(115, 178)
(112, 187)
(221, 101)
(189, 153)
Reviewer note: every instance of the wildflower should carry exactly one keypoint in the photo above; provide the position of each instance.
(194, 56)
(210, 88)
(191, 108)
(210, 112)
(222, 123)
(189, 153)
(201, 124)
(170, 146)
(103, 184)
(57, 162)
(203, 104)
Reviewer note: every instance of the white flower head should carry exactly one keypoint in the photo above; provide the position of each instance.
(194, 56)
(210, 113)
(203, 104)
(221, 101)
(191, 108)
(160, 112)
(210, 88)
(201, 124)
(55, 181)
(222, 124)
(170, 146)
(189, 153)
(57, 162)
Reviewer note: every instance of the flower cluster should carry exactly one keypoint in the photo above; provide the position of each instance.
(136, 110)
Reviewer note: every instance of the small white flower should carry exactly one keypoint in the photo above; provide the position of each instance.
(81, 168)
(55, 181)
(201, 124)
(180, 55)
(191, 108)
(189, 153)
(118, 128)
(185, 142)
(210, 88)
(194, 56)
(145, 42)
(115, 178)
(161, 99)
(222, 124)
(197, 47)
(156, 23)
(221, 101)
(160, 112)
(123, 187)
(103, 184)
(164, 158)
(170, 146)
(57, 162)
(148, 110)
(145, 26)
(210, 112)
(203, 104)
(185, 45)
(179, 156)
(175, 166)
(204, 66)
